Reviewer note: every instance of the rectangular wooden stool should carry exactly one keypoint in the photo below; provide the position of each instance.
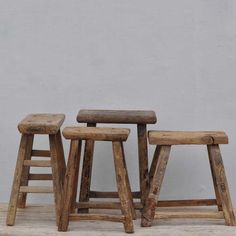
(93, 117)
(34, 124)
(163, 141)
(117, 137)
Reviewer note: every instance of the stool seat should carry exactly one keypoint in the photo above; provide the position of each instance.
(187, 137)
(41, 123)
(95, 133)
(117, 116)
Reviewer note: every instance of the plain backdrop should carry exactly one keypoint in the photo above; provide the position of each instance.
(175, 57)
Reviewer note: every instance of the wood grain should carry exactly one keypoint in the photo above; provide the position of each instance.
(22, 153)
(36, 189)
(95, 133)
(143, 161)
(41, 123)
(155, 187)
(86, 171)
(187, 137)
(188, 215)
(222, 185)
(25, 173)
(117, 116)
(67, 197)
(122, 185)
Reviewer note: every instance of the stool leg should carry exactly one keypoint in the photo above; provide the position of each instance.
(61, 157)
(25, 174)
(24, 150)
(154, 163)
(222, 185)
(143, 161)
(86, 171)
(128, 184)
(122, 186)
(56, 174)
(218, 199)
(72, 168)
(155, 187)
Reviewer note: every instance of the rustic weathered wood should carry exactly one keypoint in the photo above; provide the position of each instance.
(221, 183)
(187, 137)
(86, 171)
(40, 177)
(188, 215)
(31, 125)
(57, 175)
(154, 163)
(98, 194)
(137, 205)
(122, 186)
(40, 153)
(141, 118)
(128, 185)
(36, 163)
(155, 187)
(67, 197)
(22, 153)
(117, 116)
(61, 156)
(37, 220)
(218, 199)
(143, 161)
(25, 173)
(95, 133)
(41, 123)
(36, 189)
(102, 217)
(187, 202)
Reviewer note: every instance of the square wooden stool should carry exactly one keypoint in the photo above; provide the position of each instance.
(163, 141)
(34, 124)
(117, 137)
(141, 119)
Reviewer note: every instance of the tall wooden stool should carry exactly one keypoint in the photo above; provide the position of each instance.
(139, 118)
(117, 137)
(47, 124)
(163, 141)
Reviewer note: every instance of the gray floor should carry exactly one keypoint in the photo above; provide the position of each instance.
(40, 221)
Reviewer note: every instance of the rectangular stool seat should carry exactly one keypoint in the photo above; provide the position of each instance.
(117, 116)
(95, 133)
(187, 137)
(41, 123)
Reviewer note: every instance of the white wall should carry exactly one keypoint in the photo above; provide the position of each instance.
(175, 57)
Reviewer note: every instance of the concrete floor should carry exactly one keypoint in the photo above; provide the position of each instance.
(40, 221)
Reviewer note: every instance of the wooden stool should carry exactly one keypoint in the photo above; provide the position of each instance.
(141, 119)
(163, 141)
(38, 124)
(116, 136)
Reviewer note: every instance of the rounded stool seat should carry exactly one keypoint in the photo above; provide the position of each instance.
(97, 134)
(187, 137)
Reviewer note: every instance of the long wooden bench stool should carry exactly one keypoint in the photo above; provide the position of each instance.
(35, 124)
(117, 137)
(163, 141)
(140, 119)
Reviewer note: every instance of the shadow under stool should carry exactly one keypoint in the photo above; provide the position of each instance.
(92, 118)
(38, 124)
(164, 140)
(116, 137)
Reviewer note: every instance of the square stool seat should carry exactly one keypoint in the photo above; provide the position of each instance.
(41, 123)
